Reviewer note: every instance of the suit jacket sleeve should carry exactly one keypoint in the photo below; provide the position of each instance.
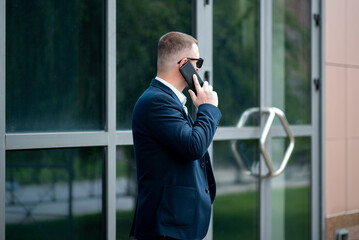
(171, 128)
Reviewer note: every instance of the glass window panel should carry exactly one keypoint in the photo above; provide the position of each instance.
(54, 194)
(291, 65)
(236, 55)
(236, 207)
(291, 198)
(126, 190)
(140, 24)
(54, 65)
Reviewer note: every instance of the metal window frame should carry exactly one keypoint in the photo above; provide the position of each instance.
(110, 159)
(203, 19)
(317, 118)
(265, 189)
(322, 224)
(315, 130)
(322, 123)
(2, 117)
(110, 138)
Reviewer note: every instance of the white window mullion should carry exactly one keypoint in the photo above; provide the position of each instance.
(204, 35)
(2, 116)
(110, 157)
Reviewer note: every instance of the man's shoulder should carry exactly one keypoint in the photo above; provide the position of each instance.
(155, 94)
(153, 97)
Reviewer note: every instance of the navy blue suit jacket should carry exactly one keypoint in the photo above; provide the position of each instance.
(176, 186)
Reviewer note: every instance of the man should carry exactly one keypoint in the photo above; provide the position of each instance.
(176, 186)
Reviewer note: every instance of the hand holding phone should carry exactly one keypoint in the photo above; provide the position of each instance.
(205, 94)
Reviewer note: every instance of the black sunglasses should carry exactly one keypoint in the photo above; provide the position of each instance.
(199, 62)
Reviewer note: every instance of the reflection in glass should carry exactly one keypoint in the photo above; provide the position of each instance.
(291, 85)
(54, 194)
(126, 190)
(140, 24)
(236, 207)
(291, 198)
(236, 57)
(54, 65)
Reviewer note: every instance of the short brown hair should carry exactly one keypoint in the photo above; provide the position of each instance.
(171, 44)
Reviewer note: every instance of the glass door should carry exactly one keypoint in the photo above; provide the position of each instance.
(236, 78)
(265, 152)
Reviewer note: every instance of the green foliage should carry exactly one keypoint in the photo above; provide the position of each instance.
(55, 81)
(236, 57)
(77, 228)
(235, 216)
(54, 65)
(140, 24)
(123, 224)
(297, 212)
(291, 21)
(53, 166)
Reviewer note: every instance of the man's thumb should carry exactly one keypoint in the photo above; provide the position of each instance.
(192, 94)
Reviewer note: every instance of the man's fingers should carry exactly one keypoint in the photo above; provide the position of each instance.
(196, 84)
(192, 95)
(205, 85)
(205, 94)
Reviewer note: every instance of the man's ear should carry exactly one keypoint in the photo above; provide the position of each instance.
(183, 61)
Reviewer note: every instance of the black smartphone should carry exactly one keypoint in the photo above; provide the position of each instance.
(187, 70)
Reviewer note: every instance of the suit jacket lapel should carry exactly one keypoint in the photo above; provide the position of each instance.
(158, 84)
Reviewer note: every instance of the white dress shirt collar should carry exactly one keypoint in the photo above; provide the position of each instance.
(180, 95)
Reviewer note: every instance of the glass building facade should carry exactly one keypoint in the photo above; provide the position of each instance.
(71, 72)
(74, 70)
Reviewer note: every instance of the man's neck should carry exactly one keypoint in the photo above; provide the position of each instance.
(173, 80)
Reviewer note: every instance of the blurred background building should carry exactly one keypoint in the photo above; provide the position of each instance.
(71, 72)
(341, 116)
